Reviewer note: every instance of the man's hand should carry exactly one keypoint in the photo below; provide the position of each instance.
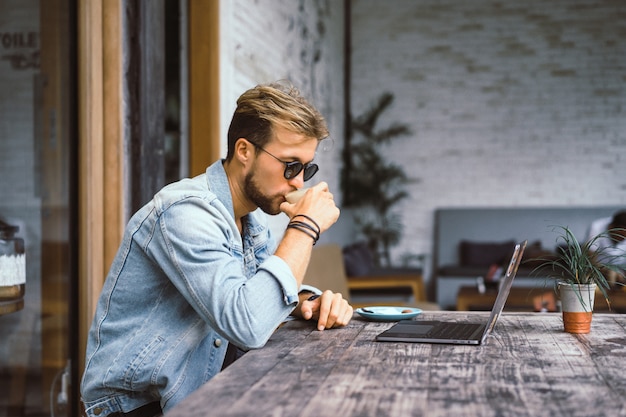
(330, 310)
(317, 203)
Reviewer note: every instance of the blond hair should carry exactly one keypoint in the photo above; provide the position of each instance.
(263, 107)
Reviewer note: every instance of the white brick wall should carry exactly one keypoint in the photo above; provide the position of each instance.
(268, 40)
(510, 103)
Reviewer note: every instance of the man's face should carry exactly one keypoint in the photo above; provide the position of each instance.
(265, 184)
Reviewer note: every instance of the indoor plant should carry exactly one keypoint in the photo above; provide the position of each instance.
(371, 185)
(579, 271)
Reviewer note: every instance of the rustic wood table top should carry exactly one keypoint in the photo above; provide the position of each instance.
(528, 367)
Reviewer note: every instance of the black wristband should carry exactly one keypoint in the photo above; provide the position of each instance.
(309, 219)
(308, 226)
(303, 230)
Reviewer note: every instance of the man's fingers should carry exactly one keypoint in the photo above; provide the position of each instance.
(307, 307)
(332, 311)
(344, 313)
(347, 316)
(306, 311)
(325, 303)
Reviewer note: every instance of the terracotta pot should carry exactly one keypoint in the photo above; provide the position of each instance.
(577, 305)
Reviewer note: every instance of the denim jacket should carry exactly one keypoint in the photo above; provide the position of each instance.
(184, 283)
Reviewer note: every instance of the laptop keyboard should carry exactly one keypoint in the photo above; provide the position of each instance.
(454, 330)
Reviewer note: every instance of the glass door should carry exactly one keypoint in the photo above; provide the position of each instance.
(37, 209)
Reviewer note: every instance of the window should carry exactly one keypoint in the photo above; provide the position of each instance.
(38, 190)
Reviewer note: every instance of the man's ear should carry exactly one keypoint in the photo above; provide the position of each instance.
(243, 151)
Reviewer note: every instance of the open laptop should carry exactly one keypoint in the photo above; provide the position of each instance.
(421, 331)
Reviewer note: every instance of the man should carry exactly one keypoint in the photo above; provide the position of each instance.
(197, 270)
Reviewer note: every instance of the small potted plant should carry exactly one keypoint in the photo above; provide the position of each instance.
(579, 271)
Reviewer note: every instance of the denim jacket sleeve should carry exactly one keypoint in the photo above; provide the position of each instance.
(197, 244)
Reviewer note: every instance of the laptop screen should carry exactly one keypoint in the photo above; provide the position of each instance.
(505, 288)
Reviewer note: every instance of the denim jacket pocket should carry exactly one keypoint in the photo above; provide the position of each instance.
(138, 372)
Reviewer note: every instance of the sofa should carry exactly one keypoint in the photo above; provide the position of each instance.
(468, 242)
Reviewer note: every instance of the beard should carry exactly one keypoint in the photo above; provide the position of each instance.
(266, 203)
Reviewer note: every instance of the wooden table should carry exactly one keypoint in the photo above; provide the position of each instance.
(528, 367)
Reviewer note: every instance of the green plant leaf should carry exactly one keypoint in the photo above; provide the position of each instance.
(581, 264)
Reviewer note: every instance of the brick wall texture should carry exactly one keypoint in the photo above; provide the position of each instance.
(301, 41)
(510, 103)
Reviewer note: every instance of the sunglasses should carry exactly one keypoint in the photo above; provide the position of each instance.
(292, 169)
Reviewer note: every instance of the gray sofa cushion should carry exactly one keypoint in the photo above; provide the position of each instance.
(484, 254)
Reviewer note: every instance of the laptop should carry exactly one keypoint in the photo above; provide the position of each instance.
(422, 331)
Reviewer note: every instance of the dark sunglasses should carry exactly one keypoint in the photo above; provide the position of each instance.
(292, 169)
